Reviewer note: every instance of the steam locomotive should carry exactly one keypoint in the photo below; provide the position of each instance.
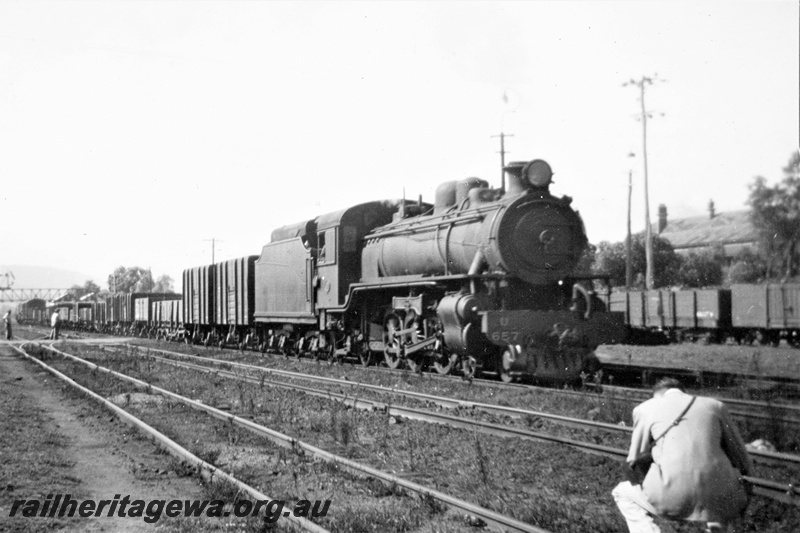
(483, 280)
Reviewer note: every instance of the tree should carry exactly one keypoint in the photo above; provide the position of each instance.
(611, 259)
(163, 284)
(90, 287)
(776, 216)
(748, 267)
(137, 279)
(701, 269)
(131, 279)
(586, 259)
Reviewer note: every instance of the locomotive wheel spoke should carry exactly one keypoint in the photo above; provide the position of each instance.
(365, 356)
(391, 351)
(390, 355)
(443, 364)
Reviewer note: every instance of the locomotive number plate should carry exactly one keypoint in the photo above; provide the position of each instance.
(509, 337)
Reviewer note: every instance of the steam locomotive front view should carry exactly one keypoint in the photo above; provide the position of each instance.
(488, 279)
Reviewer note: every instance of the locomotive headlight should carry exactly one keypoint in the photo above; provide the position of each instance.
(538, 173)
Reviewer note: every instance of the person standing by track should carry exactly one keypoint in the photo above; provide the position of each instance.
(698, 461)
(55, 322)
(7, 322)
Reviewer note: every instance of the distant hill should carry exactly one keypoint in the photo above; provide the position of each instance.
(40, 277)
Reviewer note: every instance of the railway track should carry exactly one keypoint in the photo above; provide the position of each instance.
(775, 458)
(766, 413)
(790, 414)
(784, 492)
(744, 410)
(499, 521)
(203, 468)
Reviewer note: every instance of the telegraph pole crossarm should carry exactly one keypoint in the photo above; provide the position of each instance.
(213, 242)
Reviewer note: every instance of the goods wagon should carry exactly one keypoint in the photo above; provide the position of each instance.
(234, 304)
(766, 313)
(198, 302)
(130, 314)
(167, 318)
(33, 312)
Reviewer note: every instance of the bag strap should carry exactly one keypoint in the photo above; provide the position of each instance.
(675, 422)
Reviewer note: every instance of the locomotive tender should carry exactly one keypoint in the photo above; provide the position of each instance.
(483, 280)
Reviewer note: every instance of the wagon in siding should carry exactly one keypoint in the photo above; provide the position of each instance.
(86, 315)
(766, 313)
(702, 313)
(130, 313)
(198, 303)
(144, 320)
(167, 318)
(234, 301)
(33, 312)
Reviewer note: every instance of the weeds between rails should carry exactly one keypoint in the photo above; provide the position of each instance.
(595, 405)
(408, 448)
(491, 517)
(774, 428)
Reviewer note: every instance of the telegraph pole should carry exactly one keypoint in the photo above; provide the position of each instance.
(628, 244)
(502, 159)
(213, 247)
(648, 237)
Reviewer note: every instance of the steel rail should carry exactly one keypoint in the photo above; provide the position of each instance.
(784, 492)
(206, 470)
(438, 400)
(622, 391)
(405, 412)
(290, 442)
(602, 389)
(759, 455)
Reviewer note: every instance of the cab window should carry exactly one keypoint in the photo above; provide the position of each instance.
(326, 243)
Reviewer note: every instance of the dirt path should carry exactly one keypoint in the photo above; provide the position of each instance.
(103, 456)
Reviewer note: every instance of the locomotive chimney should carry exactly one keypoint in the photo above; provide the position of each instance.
(711, 213)
(662, 218)
(514, 173)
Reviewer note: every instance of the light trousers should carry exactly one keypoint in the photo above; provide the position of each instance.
(639, 512)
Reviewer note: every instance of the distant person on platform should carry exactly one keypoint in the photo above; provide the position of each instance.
(55, 321)
(698, 463)
(7, 322)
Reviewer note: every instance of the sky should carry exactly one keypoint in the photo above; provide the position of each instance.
(134, 133)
